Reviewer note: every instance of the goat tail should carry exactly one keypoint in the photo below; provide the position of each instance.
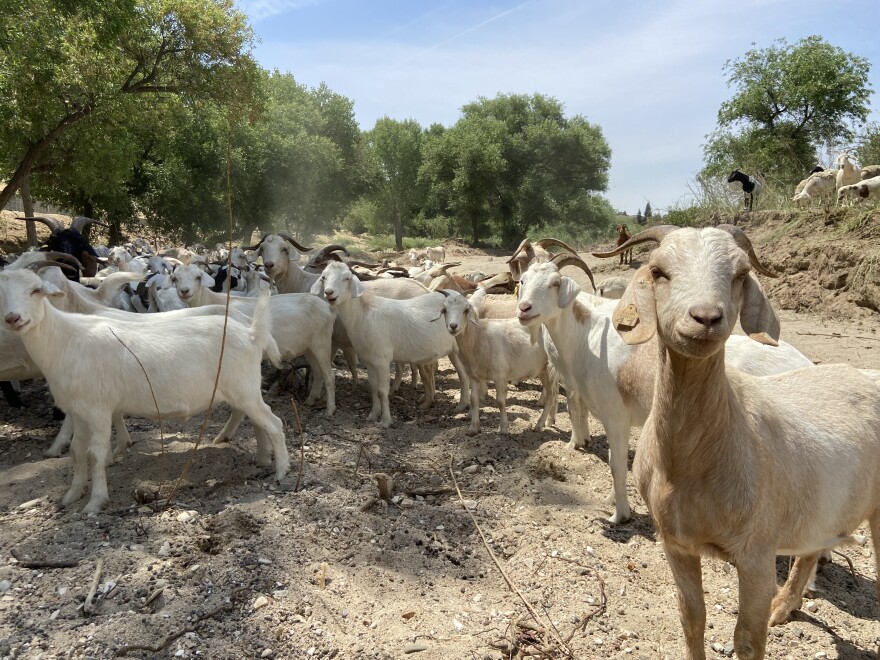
(109, 288)
(261, 329)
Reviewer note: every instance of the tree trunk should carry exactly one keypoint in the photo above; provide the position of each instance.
(28, 203)
(247, 234)
(398, 233)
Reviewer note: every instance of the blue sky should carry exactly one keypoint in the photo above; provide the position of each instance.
(649, 73)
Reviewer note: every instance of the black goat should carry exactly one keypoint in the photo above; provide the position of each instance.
(71, 241)
(751, 187)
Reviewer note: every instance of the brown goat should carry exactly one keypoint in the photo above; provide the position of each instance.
(622, 237)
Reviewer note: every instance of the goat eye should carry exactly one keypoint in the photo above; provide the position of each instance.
(35, 292)
(658, 274)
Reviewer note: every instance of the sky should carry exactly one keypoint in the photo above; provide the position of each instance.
(649, 73)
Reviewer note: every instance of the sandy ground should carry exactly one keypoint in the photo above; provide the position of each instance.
(241, 567)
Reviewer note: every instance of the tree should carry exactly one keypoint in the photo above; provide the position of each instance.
(396, 155)
(868, 151)
(787, 100)
(516, 163)
(640, 219)
(648, 211)
(65, 63)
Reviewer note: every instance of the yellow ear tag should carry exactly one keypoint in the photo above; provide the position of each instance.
(628, 316)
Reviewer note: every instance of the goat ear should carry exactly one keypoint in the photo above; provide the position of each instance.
(635, 316)
(756, 316)
(318, 287)
(292, 253)
(357, 289)
(207, 280)
(568, 291)
(473, 316)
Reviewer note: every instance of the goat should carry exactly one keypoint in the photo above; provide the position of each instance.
(724, 456)
(71, 241)
(61, 344)
(848, 172)
(302, 324)
(751, 187)
(870, 171)
(498, 350)
(385, 330)
(612, 287)
(537, 252)
(601, 373)
(622, 237)
(436, 254)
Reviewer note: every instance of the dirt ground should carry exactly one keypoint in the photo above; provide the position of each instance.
(241, 567)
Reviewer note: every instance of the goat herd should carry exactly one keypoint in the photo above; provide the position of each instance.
(747, 449)
(849, 182)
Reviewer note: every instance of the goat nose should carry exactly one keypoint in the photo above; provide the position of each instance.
(269, 265)
(12, 318)
(525, 306)
(707, 315)
(184, 292)
(329, 292)
(453, 326)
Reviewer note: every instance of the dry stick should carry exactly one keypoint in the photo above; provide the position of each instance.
(210, 411)
(155, 403)
(225, 607)
(837, 335)
(43, 563)
(87, 606)
(852, 569)
(302, 444)
(603, 599)
(507, 579)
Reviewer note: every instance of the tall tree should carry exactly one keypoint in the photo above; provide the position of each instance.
(67, 62)
(868, 151)
(516, 163)
(788, 98)
(648, 211)
(396, 154)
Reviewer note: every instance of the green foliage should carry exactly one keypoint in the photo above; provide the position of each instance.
(787, 100)
(640, 219)
(63, 64)
(514, 164)
(868, 151)
(648, 211)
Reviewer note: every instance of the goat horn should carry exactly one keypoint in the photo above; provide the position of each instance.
(63, 256)
(446, 292)
(526, 243)
(38, 265)
(292, 241)
(746, 245)
(545, 242)
(657, 234)
(257, 246)
(80, 222)
(561, 260)
(327, 249)
(362, 264)
(51, 223)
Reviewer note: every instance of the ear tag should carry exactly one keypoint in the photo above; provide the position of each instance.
(628, 316)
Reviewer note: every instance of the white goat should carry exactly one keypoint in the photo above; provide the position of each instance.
(302, 324)
(384, 330)
(63, 345)
(848, 172)
(601, 373)
(724, 456)
(499, 350)
(612, 287)
(436, 254)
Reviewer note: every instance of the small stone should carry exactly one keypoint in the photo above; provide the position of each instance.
(261, 601)
(820, 655)
(414, 648)
(264, 561)
(144, 509)
(408, 615)
(718, 647)
(187, 516)
(267, 653)
(457, 624)
(811, 606)
(30, 504)
(4, 586)
(728, 649)
(165, 550)
(470, 505)
(471, 469)
(589, 550)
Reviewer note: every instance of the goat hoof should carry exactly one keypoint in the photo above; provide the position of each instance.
(619, 517)
(472, 431)
(574, 446)
(329, 413)
(52, 453)
(220, 439)
(94, 506)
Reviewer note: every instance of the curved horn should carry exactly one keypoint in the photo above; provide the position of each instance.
(257, 246)
(80, 222)
(562, 260)
(51, 223)
(290, 239)
(746, 245)
(525, 245)
(657, 234)
(63, 256)
(446, 292)
(362, 264)
(37, 265)
(545, 242)
(327, 249)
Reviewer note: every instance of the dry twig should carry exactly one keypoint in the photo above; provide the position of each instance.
(96, 578)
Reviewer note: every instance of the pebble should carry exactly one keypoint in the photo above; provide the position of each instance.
(187, 516)
(264, 561)
(261, 601)
(165, 550)
(470, 505)
(728, 648)
(820, 654)
(267, 653)
(471, 469)
(415, 648)
(4, 586)
(811, 606)
(30, 504)
(144, 509)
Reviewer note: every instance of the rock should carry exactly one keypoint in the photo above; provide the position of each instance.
(811, 606)
(30, 504)
(165, 550)
(261, 601)
(415, 648)
(470, 505)
(187, 516)
(728, 649)
(267, 653)
(718, 647)
(4, 586)
(144, 509)
(471, 469)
